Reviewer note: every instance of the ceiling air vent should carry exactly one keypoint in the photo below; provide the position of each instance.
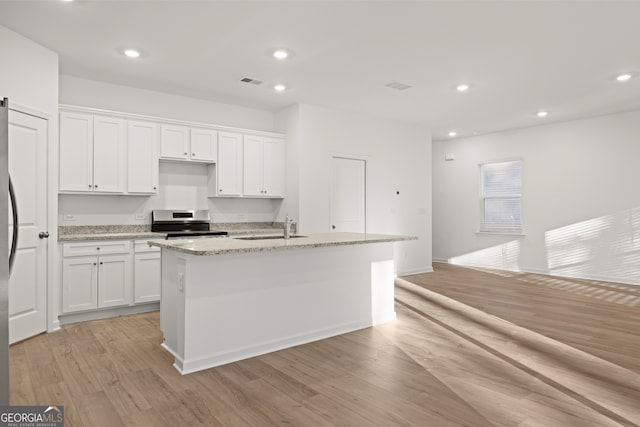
(252, 81)
(397, 86)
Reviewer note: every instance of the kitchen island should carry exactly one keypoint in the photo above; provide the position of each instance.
(227, 299)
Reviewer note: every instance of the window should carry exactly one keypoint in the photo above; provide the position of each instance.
(500, 197)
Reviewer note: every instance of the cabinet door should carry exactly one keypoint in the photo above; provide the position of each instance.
(79, 284)
(109, 154)
(146, 281)
(229, 167)
(253, 166)
(143, 158)
(174, 142)
(204, 145)
(76, 152)
(273, 167)
(114, 280)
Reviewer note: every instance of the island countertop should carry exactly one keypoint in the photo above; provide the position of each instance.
(219, 246)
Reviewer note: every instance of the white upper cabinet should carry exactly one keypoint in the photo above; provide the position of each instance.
(263, 167)
(253, 166)
(106, 152)
(229, 166)
(192, 144)
(92, 153)
(174, 142)
(143, 158)
(76, 152)
(204, 145)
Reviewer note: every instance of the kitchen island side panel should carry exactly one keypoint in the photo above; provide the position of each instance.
(236, 306)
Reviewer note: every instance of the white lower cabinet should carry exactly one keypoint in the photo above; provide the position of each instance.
(146, 273)
(96, 275)
(109, 273)
(79, 284)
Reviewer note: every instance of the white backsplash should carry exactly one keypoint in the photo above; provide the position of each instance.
(182, 186)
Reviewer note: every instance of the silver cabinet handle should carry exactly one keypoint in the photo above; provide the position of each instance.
(43, 235)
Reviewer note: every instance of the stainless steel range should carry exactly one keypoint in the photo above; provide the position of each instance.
(183, 224)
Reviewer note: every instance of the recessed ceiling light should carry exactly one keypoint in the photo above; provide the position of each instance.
(132, 53)
(462, 87)
(279, 87)
(542, 114)
(67, 1)
(453, 133)
(623, 77)
(280, 54)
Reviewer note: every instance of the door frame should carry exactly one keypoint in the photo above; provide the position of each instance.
(365, 159)
(52, 282)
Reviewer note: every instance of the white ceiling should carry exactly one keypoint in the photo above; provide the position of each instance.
(519, 57)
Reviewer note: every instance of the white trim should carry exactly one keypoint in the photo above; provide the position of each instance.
(187, 366)
(78, 109)
(85, 316)
(501, 233)
(19, 108)
(415, 271)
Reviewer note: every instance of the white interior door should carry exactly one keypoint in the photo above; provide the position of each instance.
(28, 169)
(348, 195)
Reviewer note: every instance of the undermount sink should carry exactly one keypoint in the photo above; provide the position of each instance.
(265, 237)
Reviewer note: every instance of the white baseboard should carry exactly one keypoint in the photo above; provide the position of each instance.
(421, 270)
(106, 313)
(212, 360)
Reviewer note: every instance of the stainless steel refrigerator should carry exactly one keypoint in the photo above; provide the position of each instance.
(7, 199)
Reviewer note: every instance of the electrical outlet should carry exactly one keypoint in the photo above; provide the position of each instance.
(242, 216)
(68, 217)
(140, 216)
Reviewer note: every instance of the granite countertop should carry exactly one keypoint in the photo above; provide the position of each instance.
(234, 245)
(131, 232)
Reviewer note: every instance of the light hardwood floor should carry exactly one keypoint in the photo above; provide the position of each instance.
(441, 363)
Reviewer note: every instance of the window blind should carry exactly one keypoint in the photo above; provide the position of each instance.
(500, 196)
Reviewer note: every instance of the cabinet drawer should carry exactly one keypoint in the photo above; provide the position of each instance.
(142, 246)
(103, 247)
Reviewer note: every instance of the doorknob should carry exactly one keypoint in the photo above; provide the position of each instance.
(43, 234)
(333, 227)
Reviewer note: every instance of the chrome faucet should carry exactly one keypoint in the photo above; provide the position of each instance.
(287, 226)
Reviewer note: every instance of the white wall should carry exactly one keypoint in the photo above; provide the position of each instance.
(29, 78)
(581, 199)
(398, 159)
(29, 73)
(108, 96)
(181, 185)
